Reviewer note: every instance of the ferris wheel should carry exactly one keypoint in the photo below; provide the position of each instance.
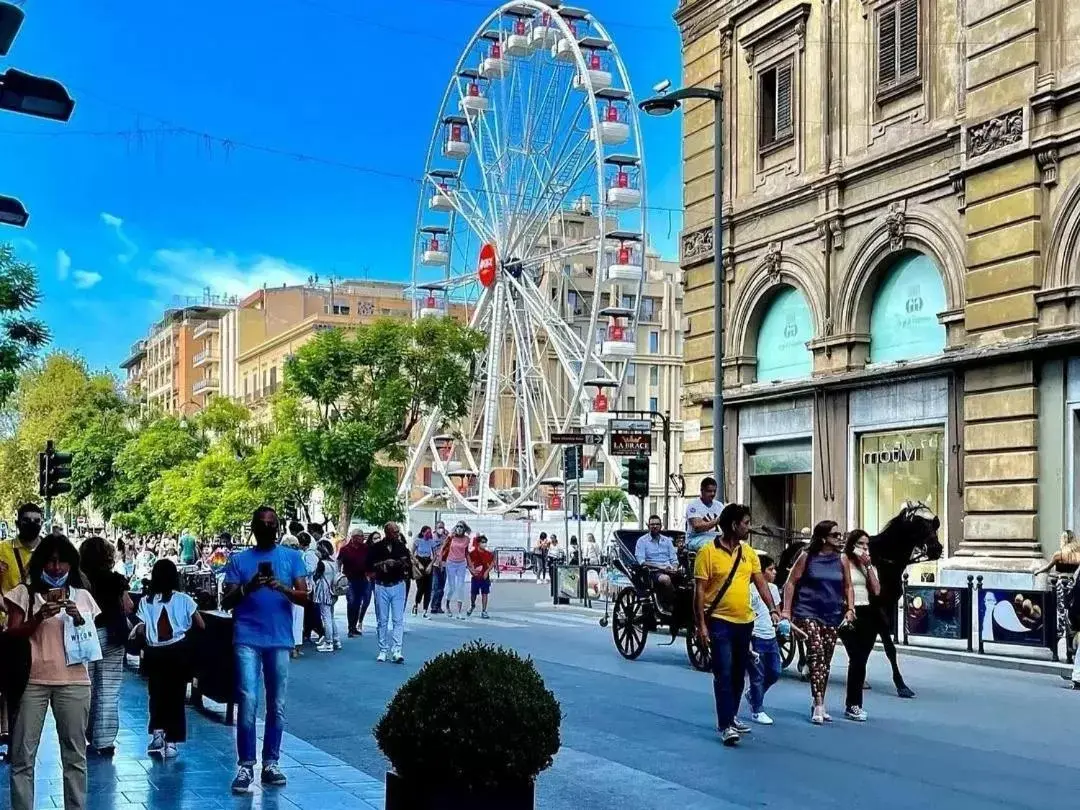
(531, 228)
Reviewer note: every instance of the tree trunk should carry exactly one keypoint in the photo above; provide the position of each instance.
(345, 510)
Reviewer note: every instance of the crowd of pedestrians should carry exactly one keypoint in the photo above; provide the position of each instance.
(740, 612)
(71, 615)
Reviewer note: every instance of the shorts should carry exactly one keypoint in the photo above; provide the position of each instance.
(481, 585)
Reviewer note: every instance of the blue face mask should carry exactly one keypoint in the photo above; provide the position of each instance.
(54, 582)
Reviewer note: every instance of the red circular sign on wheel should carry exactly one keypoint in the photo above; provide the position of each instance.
(486, 269)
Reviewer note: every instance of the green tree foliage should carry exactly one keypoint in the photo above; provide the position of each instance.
(366, 391)
(593, 502)
(20, 335)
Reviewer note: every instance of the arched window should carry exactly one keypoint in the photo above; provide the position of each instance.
(781, 341)
(903, 319)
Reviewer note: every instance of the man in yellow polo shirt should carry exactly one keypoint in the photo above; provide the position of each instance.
(724, 571)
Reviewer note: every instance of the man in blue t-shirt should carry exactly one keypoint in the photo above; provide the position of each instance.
(261, 586)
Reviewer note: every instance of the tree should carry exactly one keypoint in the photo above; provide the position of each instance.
(164, 444)
(20, 336)
(603, 498)
(366, 392)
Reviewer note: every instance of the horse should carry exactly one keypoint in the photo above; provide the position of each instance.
(908, 538)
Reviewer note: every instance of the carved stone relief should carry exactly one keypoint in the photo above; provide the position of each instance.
(896, 224)
(1048, 165)
(997, 133)
(697, 246)
(772, 261)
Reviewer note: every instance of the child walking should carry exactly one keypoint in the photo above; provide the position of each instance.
(765, 663)
(167, 615)
(326, 573)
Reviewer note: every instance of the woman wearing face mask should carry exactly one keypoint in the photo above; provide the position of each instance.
(819, 596)
(36, 611)
(455, 552)
(424, 551)
(859, 642)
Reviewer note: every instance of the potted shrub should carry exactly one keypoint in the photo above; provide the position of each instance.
(472, 729)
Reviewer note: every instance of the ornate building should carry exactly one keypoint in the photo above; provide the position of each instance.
(901, 217)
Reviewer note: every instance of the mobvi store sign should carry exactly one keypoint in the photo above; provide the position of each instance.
(898, 454)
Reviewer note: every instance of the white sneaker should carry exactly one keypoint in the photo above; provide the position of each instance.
(381, 658)
(337, 645)
(157, 744)
(761, 718)
(856, 713)
(170, 751)
(324, 646)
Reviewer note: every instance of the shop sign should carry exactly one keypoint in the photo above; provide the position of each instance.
(630, 444)
(897, 455)
(691, 430)
(937, 612)
(1023, 618)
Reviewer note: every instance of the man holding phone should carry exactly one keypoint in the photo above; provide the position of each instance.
(261, 586)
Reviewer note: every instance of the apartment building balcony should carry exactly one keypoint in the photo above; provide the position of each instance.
(206, 385)
(205, 357)
(205, 328)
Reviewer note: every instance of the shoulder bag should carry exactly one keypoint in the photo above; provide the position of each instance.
(727, 582)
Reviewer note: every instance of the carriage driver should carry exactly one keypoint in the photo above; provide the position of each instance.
(656, 552)
(703, 516)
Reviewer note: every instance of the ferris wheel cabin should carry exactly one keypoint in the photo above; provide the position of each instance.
(444, 181)
(544, 32)
(518, 42)
(597, 414)
(624, 259)
(623, 182)
(597, 75)
(563, 49)
(613, 116)
(429, 305)
(473, 101)
(434, 241)
(494, 64)
(456, 145)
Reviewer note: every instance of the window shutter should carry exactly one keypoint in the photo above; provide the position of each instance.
(887, 46)
(908, 39)
(783, 102)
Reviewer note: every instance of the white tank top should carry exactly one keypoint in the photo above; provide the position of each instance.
(858, 584)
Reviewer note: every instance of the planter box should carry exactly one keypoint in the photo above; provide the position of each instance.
(402, 795)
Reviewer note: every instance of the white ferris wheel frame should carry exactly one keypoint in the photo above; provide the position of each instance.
(560, 335)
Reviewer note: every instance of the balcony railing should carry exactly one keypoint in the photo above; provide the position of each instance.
(205, 356)
(206, 384)
(205, 328)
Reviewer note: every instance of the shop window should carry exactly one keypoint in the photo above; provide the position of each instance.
(775, 116)
(897, 47)
(899, 466)
(903, 318)
(785, 329)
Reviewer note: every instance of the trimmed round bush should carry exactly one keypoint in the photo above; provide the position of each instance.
(475, 719)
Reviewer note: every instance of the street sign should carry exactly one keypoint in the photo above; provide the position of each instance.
(630, 444)
(631, 425)
(593, 439)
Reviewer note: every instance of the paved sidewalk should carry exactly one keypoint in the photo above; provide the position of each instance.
(200, 777)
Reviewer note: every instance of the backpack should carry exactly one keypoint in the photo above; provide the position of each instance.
(340, 585)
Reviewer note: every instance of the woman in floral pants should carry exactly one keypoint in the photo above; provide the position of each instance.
(818, 596)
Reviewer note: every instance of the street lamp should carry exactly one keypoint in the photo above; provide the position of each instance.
(665, 102)
(13, 212)
(11, 18)
(34, 95)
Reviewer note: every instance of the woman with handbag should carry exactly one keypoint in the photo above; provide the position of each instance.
(52, 612)
(859, 640)
(110, 590)
(818, 595)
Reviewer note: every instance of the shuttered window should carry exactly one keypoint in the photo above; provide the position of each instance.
(776, 105)
(897, 44)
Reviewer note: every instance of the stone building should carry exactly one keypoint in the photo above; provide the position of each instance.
(901, 216)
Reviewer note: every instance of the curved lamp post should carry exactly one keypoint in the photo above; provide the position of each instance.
(665, 103)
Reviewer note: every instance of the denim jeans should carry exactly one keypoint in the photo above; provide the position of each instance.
(390, 606)
(274, 664)
(358, 598)
(764, 671)
(730, 645)
(438, 588)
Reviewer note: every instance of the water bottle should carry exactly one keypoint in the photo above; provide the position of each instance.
(783, 628)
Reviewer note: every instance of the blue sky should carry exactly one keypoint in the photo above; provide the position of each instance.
(132, 204)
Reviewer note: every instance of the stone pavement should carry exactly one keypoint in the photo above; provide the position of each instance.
(200, 777)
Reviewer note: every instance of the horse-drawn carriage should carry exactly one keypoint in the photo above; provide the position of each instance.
(637, 610)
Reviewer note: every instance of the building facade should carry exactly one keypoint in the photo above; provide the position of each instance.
(899, 260)
(272, 323)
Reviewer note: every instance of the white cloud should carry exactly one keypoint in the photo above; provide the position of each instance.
(63, 264)
(117, 224)
(85, 279)
(191, 271)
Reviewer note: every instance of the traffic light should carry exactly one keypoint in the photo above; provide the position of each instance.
(638, 477)
(572, 462)
(53, 469)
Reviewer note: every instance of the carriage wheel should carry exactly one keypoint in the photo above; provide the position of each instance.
(788, 648)
(699, 654)
(628, 624)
